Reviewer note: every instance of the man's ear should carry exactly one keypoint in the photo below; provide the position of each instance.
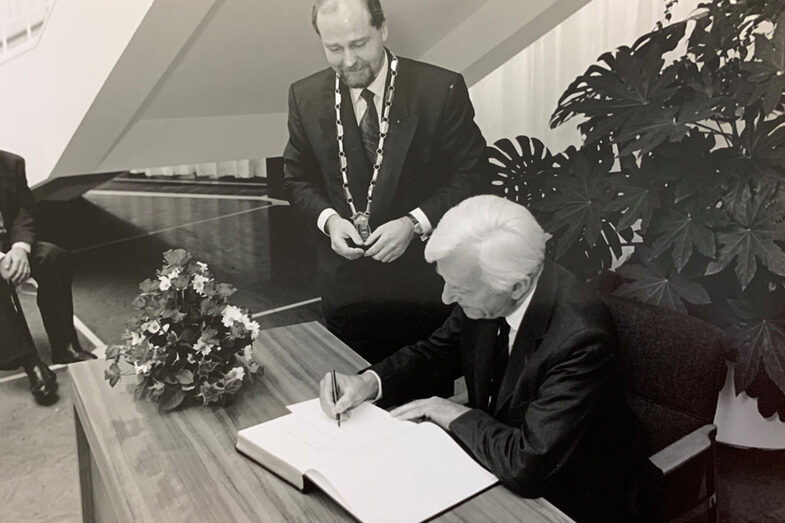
(519, 289)
(385, 31)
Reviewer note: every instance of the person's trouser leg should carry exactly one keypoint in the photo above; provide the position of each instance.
(51, 267)
(15, 347)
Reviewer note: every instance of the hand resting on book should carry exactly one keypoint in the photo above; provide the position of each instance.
(438, 410)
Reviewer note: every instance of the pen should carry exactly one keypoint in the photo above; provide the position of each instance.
(335, 393)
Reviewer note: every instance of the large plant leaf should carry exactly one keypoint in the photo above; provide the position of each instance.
(626, 83)
(751, 237)
(575, 211)
(686, 228)
(522, 174)
(759, 337)
(650, 284)
(636, 193)
(768, 68)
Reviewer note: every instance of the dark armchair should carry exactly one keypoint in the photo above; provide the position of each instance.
(673, 366)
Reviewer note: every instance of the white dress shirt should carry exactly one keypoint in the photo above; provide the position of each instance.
(360, 106)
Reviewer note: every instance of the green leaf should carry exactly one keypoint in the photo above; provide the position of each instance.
(112, 374)
(113, 352)
(149, 285)
(171, 399)
(650, 285)
(578, 206)
(184, 377)
(179, 257)
(523, 176)
(686, 228)
(751, 237)
(759, 336)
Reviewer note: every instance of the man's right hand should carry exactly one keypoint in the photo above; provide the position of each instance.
(352, 391)
(341, 230)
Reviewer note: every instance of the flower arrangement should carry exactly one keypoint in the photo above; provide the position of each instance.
(187, 342)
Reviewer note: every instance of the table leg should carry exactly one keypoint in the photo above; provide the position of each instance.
(85, 472)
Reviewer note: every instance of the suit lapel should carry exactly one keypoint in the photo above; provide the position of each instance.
(531, 332)
(403, 124)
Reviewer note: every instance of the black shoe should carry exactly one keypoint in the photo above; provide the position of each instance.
(43, 383)
(71, 353)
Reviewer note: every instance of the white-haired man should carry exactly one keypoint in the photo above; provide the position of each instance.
(538, 352)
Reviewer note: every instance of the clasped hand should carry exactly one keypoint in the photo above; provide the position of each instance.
(15, 267)
(386, 244)
(353, 390)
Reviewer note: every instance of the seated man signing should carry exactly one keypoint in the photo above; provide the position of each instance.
(545, 411)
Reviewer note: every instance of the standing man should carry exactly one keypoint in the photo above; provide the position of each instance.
(545, 410)
(379, 148)
(21, 256)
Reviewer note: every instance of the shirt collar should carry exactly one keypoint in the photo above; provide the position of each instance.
(377, 86)
(515, 318)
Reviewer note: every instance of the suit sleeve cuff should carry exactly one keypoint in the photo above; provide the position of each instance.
(22, 245)
(323, 217)
(422, 219)
(378, 382)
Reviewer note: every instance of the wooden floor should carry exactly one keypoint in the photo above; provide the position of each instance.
(117, 235)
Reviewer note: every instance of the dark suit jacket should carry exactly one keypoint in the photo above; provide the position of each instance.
(16, 200)
(559, 428)
(434, 157)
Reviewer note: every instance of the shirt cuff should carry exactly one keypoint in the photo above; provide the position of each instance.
(378, 382)
(22, 245)
(323, 217)
(425, 223)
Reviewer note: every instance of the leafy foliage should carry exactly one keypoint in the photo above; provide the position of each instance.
(682, 161)
(187, 341)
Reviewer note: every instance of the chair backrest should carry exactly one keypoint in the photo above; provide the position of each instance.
(673, 366)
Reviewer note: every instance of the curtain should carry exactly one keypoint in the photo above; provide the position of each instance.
(520, 96)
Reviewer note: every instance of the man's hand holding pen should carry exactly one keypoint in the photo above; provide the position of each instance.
(352, 391)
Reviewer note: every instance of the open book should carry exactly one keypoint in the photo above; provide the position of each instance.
(378, 468)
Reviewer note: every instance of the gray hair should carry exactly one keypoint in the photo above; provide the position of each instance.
(508, 241)
(374, 8)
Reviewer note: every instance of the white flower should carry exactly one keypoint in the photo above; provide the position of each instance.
(203, 347)
(151, 326)
(248, 352)
(143, 368)
(237, 373)
(198, 283)
(165, 328)
(251, 326)
(174, 274)
(136, 339)
(165, 284)
(232, 314)
(202, 266)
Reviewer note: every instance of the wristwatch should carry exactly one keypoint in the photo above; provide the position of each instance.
(417, 226)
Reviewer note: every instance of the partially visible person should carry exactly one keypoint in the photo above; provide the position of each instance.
(545, 410)
(22, 256)
(380, 146)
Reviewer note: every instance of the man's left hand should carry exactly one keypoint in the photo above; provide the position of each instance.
(15, 267)
(436, 409)
(390, 240)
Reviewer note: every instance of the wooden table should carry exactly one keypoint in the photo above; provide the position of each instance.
(138, 465)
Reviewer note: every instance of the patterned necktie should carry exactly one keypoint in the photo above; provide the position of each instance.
(501, 355)
(369, 127)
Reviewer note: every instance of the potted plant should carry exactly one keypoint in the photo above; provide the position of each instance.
(680, 176)
(187, 344)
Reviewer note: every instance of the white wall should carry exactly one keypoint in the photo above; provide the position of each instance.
(45, 92)
(520, 96)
